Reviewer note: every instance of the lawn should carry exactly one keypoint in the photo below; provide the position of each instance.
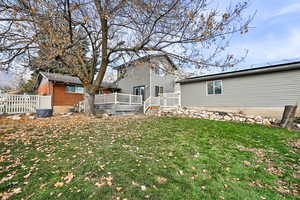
(146, 158)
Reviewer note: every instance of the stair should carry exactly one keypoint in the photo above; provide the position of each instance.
(153, 109)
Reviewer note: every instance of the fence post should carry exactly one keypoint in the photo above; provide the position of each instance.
(116, 98)
(39, 102)
(129, 99)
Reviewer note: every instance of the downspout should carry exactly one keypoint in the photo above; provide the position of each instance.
(52, 94)
(150, 87)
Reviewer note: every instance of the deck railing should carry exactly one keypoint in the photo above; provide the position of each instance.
(119, 98)
(165, 100)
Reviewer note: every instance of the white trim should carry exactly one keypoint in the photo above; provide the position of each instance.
(213, 81)
(75, 89)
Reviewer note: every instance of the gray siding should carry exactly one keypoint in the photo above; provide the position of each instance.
(264, 90)
(167, 82)
(135, 76)
(139, 75)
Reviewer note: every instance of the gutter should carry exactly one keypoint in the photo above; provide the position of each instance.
(246, 72)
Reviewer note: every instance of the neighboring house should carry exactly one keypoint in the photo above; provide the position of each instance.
(16, 91)
(65, 90)
(147, 76)
(259, 91)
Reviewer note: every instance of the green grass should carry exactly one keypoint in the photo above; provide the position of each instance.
(152, 158)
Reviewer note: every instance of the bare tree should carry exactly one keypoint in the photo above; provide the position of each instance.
(88, 36)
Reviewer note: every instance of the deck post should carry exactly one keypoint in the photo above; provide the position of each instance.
(179, 99)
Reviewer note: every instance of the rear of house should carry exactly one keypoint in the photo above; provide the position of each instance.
(261, 91)
(147, 76)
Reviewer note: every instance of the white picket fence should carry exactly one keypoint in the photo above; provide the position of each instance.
(14, 104)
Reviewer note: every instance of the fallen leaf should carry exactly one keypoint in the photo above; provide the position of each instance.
(135, 184)
(100, 185)
(143, 188)
(246, 163)
(42, 186)
(161, 179)
(7, 195)
(26, 176)
(69, 178)
(59, 184)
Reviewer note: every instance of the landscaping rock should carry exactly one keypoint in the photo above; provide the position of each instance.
(68, 114)
(250, 120)
(266, 122)
(16, 117)
(227, 118)
(242, 119)
(298, 125)
(31, 117)
(105, 115)
(223, 113)
(219, 116)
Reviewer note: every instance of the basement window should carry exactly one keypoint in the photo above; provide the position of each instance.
(214, 87)
(75, 89)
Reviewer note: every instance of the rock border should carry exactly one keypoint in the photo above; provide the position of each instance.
(218, 116)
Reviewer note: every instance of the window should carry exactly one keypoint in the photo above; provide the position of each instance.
(121, 73)
(75, 89)
(71, 89)
(139, 90)
(214, 87)
(158, 90)
(159, 71)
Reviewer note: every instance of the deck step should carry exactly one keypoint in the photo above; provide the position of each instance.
(119, 109)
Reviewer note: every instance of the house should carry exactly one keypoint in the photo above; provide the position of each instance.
(16, 91)
(65, 90)
(260, 91)
(147, 76)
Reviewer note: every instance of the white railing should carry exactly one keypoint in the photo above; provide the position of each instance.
(165, 100)
(13, 104)
(119, 98)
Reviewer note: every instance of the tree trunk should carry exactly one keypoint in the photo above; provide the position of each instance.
(288, 117)
(89, 103)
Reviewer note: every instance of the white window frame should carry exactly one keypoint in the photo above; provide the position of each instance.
(222, 90)
(76, 91)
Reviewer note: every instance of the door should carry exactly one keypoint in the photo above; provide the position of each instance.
(139, 90)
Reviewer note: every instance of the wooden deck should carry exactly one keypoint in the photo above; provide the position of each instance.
(119, 109)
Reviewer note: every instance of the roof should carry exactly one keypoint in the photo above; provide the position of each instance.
(245, 72)
(145, 58)
(63, 78)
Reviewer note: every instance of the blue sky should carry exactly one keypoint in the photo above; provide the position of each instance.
(275, 35)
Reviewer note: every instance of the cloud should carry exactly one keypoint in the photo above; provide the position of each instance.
(287, 10)
(270, 48)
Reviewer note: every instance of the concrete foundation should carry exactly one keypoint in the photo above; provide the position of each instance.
(61, 109)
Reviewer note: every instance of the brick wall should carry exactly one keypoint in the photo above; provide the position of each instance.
(45, 89)
(62, 98)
